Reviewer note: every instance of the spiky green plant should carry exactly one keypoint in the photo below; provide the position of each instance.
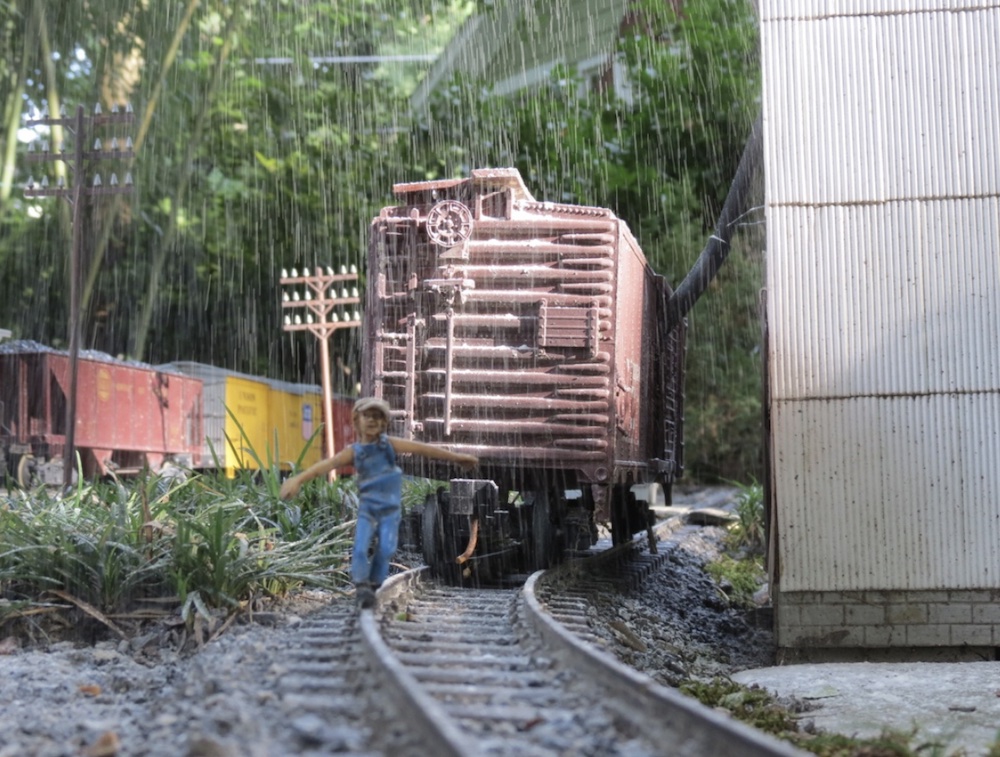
(748, 530)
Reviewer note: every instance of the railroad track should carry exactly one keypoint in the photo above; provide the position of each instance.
(516, 672)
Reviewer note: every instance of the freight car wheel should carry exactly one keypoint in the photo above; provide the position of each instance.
(432, 532)
(26, 475)
(543, 533)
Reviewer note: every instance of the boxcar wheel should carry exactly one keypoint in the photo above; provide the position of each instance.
(26, 476)
(432, 532)
(543, 534)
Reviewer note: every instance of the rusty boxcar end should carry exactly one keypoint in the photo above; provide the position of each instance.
(531, 334)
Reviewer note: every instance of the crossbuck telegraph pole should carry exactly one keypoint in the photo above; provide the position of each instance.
(321, 307)
(81, 162)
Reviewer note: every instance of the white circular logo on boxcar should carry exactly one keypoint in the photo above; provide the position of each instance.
(449, 223)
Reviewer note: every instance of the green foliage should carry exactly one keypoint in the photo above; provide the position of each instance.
(211, 543)
(741, 577)
(748, 532)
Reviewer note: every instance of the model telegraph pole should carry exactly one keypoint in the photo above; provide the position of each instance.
(86, 182)
(325, 311)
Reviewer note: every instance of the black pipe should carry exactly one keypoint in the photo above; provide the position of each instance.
(717, 249)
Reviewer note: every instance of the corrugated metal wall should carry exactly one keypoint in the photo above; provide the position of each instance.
(882, 150)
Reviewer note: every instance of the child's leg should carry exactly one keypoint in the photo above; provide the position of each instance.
(388, 538)
(364, 532)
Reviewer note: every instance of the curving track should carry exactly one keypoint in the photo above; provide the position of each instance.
(513, 672)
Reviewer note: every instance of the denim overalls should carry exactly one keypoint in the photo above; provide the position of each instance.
(380, 486)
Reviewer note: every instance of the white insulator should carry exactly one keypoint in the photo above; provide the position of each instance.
(298, 320)
(354, 291)
(114, 144)
(114, 107)
(308, 295)
(31, 146)
(97, 180)
(45, 145)
(334, 317)
(97, 109)
(31, 182)
(284, 273)
(354, 268)
(114, 180)
(60, 181)
(295, 296)
(343, 269)
(285, 297)
(343, 294)
(97, 145)
(309, 318)
(128, 143)
(288, 320)
(128, 107)
(329, 271)
(45, 182)
(356, 316)
(128, 179)
(295, 273)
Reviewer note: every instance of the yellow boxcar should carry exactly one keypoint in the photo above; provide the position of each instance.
(248, 399)
(296, 413)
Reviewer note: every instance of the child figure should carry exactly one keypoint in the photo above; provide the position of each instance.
(380, 484)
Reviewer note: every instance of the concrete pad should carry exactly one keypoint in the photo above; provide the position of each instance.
(956, 705)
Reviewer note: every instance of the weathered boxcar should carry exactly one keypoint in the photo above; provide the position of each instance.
(532, 335)
(128, 415)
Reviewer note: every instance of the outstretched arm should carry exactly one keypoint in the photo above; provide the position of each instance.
(405, 446)
(294, 483)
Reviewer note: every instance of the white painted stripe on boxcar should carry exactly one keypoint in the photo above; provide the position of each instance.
(868, 503)
(882, 107)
